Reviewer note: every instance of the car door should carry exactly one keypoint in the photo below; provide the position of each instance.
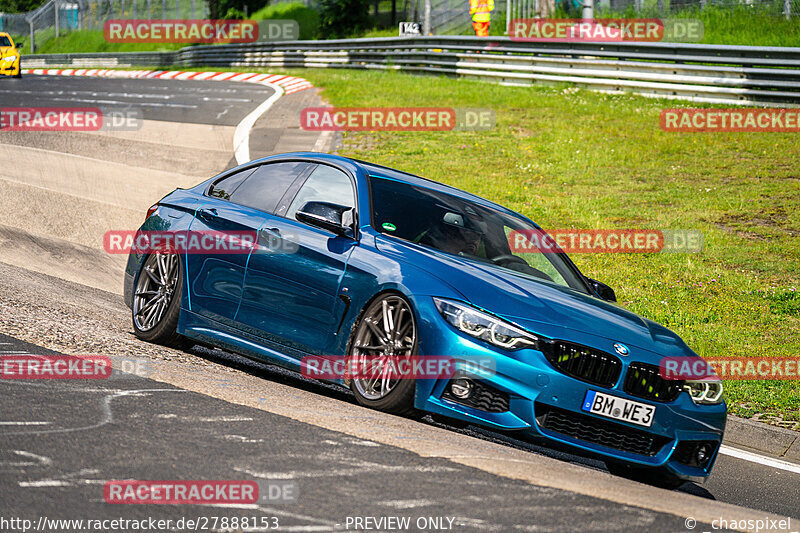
(291, 287)
(237, 204)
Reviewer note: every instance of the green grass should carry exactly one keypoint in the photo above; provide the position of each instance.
(88, 41)
(307, 18)
(740, 25)
(572, 158)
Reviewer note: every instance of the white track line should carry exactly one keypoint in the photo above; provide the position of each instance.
(760, 459)
(241, 136)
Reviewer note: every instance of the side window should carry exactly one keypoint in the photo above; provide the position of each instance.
(325, 184)
(267, 185)
(225, 188)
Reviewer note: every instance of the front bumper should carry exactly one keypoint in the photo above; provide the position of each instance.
(538, 401)
(9, 68)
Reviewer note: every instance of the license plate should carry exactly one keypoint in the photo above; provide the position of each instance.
(618, 408)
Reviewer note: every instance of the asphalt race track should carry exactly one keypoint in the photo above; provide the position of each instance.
(186, 102)
(207, 414)
(157, 431)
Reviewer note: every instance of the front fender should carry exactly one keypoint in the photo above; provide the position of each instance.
(370, 272)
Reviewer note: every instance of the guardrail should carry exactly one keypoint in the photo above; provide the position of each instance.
(706, 73)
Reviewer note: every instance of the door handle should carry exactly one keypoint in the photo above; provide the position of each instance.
(208, 214)
(270, 238)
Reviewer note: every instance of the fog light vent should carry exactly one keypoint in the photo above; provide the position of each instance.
(461, 388)
(696, 453)
(476, 394)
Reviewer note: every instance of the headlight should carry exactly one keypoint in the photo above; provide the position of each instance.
(484, 326)
(704, 392)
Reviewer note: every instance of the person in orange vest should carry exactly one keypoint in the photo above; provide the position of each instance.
(481, 11)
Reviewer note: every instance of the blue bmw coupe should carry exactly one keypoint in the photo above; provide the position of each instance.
(352, 258)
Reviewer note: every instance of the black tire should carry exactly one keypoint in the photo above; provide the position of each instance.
(649, 476)
(164, 330)
(399, 399)
(18, 75)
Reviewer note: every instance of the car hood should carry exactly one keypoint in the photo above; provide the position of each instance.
(548, 309)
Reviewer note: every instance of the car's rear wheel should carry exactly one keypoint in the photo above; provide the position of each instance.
(649, 476)
(385, 334)
(157, 300)
(18, 74)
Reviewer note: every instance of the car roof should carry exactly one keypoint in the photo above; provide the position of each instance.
(380, 171)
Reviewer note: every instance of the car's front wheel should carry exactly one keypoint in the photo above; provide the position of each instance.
(385, 335)
(157, 300)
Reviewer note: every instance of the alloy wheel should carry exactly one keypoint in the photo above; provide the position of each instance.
(154, 290)
(386, 334)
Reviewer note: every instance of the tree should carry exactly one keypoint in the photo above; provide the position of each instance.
(213, 9)
(343, 18)
(19, 6)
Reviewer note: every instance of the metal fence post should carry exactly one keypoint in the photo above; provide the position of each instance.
(55, 11)
(149, 10)
(33, 47)
(426, 24)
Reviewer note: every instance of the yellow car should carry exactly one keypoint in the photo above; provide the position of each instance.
(9, 56)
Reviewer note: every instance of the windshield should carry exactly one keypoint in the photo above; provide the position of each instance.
(461, 227)
(5, 41)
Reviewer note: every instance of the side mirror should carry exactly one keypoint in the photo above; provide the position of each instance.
(604, 291)
(332, 217)
(20, 45)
